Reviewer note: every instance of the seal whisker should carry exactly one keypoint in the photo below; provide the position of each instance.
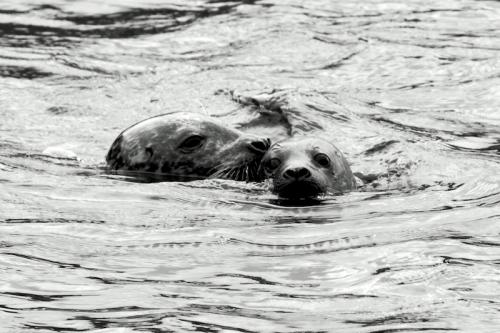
(221, 166)
(219, 174)
(221, 170)
(232, 173)
(240, 173)
(227, 173)
(236, 174)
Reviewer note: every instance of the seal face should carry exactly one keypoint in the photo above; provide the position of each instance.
(186, 146)
(304, 168)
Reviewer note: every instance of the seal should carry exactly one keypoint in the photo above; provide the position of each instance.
(304, 168)
(186, 146)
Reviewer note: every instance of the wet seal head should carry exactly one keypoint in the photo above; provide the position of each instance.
(304, 168)
(186, 146)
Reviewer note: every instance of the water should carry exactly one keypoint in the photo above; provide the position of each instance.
(409, 90)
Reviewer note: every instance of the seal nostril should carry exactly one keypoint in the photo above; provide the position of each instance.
(289, 174)
(303, 173)
(260, 146)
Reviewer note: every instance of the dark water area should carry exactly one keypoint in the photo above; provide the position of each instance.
(407, 90)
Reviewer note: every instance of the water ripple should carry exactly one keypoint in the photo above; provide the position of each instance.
(408, 91)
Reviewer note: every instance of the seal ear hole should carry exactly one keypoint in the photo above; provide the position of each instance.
(322, 159)
(272, 164)
(191, 143)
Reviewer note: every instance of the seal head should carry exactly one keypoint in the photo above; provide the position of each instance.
(304, 168)
(186, 146)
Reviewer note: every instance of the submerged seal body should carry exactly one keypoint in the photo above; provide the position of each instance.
(304, 168)
(186, 146)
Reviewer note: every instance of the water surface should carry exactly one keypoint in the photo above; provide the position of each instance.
(407, 90)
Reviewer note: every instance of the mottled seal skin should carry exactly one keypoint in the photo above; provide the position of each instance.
(186, 146)
(304, 168)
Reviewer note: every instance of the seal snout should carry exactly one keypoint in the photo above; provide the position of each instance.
(298, 188)
(297, 173)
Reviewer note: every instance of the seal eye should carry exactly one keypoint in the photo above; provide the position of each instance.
(272, 164)
(191, 143)
(322, 159)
